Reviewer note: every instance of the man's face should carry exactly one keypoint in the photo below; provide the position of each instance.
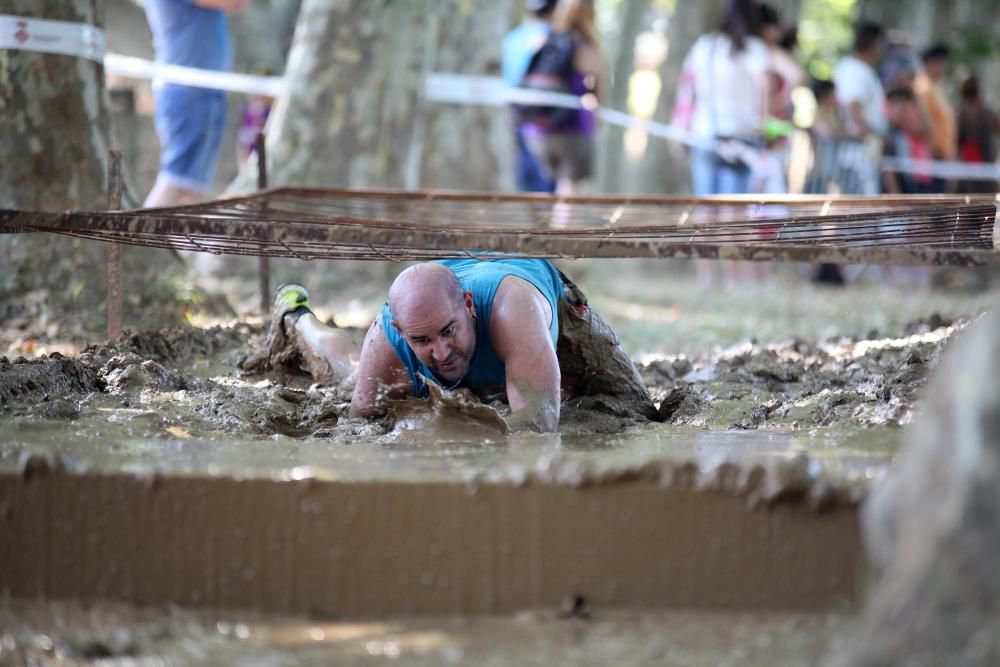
(442, 334)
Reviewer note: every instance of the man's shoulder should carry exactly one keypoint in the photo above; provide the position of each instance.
(513, 297)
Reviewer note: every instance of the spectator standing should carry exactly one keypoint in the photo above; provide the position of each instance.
(826, 134)
(907, 139)
(976, 125)
(829, 121)
(722, 102)
(566, 149)
(860, 94)
(784, 74)
(722, 99)
(942, 128)
(189, 120)
(517, 49)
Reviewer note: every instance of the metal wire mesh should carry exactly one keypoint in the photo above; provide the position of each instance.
(393, 225)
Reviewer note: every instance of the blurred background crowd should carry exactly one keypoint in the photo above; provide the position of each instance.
(809, 96)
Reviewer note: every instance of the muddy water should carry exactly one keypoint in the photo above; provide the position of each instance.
(410, 456)
(174, 401)
(60, 633)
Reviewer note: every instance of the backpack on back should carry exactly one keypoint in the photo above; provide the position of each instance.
(551, 71)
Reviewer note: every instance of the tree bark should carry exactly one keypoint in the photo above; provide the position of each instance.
(611, 144)
(664, 170)
(53, 154)
(54, 125)
(53, 118)
(355, 113)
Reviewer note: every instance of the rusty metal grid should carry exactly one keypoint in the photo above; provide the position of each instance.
(398, 226)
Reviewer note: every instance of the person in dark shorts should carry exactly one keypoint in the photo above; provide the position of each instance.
(189, 120)
(566, 150)
(511, 329)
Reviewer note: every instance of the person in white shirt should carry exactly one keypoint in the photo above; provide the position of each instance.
(722, 99)
(862, 98)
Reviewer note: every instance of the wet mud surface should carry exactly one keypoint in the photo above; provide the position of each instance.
(175, 400)
(64, 633)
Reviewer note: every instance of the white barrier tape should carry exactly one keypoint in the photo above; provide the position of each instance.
(138, 68)
(83, 40)
(948, 170)
(492, 91)
(22, 33)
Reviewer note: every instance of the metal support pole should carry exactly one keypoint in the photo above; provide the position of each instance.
(265, 269)
(114, 249)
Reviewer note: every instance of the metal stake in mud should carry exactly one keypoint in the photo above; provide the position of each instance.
(265, 269)
(114, 249)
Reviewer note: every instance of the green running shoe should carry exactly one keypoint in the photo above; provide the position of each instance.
(290, 299)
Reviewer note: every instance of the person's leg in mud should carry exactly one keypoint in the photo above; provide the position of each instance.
(330, 354)
(592, 361)
(298, 341)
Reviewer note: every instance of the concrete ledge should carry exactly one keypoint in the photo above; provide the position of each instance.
(392, 549)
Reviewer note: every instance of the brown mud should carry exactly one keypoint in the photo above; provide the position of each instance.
(157, 397)
(845, 381)
(793, 385)
(68, 633)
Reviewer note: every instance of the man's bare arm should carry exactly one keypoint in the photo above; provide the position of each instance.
(381, 375)
(519, 331)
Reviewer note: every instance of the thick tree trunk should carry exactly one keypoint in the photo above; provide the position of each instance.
(54, 119)
(355, 112)
(664, 169)
(611, 148)
(53, 148)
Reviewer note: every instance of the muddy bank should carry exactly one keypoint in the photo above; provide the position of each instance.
(858, 381)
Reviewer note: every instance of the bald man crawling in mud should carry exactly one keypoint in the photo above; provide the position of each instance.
(515, 330)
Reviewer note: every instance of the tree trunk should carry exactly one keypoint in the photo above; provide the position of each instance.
(355, 112)
(664, 170)
(611, 147)
(54, 119)
(53, 153)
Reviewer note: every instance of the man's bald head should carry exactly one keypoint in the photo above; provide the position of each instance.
(424, 287)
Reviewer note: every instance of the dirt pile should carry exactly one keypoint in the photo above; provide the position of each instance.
(797, 384)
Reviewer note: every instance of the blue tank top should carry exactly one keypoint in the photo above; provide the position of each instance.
(486, 376)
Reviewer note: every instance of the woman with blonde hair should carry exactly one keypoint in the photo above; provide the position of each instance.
(566, 146)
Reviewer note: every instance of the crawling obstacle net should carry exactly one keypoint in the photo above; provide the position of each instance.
(394, 225)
